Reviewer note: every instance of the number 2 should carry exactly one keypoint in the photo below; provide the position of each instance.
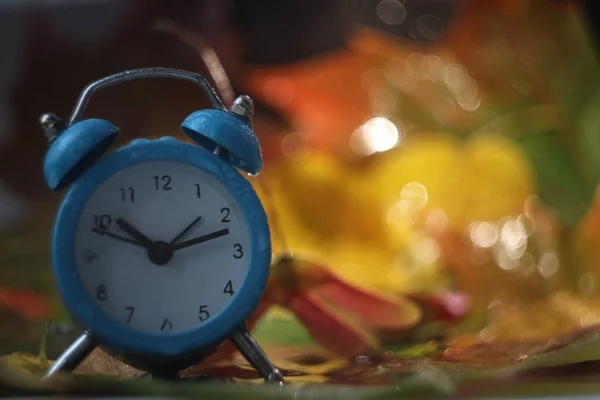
(225, 211)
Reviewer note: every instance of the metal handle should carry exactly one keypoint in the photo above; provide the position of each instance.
(156, 72)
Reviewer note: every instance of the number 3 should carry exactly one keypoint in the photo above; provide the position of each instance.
(239, 251)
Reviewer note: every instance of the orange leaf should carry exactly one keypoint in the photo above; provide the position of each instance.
(374, 310)
(333, 330)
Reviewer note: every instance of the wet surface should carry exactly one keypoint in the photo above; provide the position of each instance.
(302, 365)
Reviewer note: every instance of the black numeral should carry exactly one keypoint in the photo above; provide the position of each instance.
(239, 251)
(90, 256)
(203, 313)
(167, 325)
(197, 190)
(127, 194)
(225, 211)
(131, 310)
(102, 221)
(166, 182)
(229, 288)
(101, 293)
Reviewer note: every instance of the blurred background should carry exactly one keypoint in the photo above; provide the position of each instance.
(437, 156)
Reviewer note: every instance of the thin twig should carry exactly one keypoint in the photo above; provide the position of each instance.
(206, 52)
(223, 84)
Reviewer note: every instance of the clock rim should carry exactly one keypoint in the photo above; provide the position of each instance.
(118, 336)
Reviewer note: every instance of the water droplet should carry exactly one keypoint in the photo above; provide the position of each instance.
(362, 360)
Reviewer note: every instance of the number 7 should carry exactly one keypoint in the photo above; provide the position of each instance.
(131, 310)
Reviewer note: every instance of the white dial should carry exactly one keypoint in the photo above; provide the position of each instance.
(162, 246)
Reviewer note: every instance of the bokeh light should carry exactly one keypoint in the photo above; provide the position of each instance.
(376, 135)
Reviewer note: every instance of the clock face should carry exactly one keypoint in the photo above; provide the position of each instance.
(162, 246)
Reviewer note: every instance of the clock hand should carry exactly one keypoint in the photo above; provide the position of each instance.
(186, 230)
(134, 233)
(117, 237)
(200, 239)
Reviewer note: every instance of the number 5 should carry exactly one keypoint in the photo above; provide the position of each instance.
(203, 314)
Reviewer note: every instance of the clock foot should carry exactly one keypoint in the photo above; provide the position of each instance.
(246, 344)
(73, 356)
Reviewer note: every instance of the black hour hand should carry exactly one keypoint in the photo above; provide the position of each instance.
(200, 239)
(116, 237)
(134, 233)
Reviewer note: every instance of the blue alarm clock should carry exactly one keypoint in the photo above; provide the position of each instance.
(161, 249)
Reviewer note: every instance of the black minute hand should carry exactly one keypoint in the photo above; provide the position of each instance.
(186, 230)
(200, 239)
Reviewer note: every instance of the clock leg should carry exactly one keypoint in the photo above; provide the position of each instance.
(73, 356)
(246, 344)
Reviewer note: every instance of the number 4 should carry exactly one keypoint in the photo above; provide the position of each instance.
(229, 288)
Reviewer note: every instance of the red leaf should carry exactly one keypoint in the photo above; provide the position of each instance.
(444, 306)
(374, 310)
(25, 303)
(333, 330)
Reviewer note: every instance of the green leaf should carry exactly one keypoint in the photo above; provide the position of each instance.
(560, 187)
(274, 329)
(567, 63)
